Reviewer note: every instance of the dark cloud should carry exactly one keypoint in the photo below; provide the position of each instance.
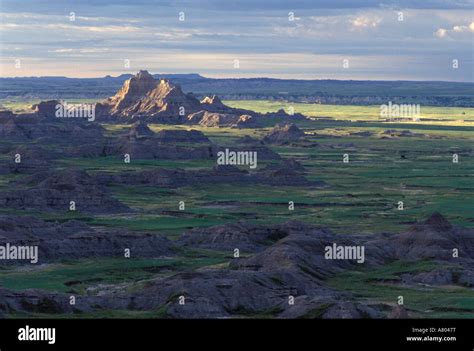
(236, 5)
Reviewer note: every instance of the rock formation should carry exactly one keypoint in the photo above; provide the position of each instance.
(28, 159)
(46, 109)
(285, 260)
(54, 191)
(140, 129)
(171, 136)
(143, 96)
(214, 104)
(222, 119)
(283, 134)
(54, 131)
(434, 238)
(248, 140)
(175, 178)
(73, 240)
(227, 237)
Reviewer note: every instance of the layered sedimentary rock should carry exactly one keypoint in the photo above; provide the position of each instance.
(287, 261)
(214, 104)
(140, 129)
(283, 134)
(173, 178)
(54, 191)
(143, 96)
(222, 119)
(181, 136)
(46, 109)
(242, 235)
(248, 140)
(27, 159)
(161, 101)
(165, 145)
(140, 142)
(74, 239)
(435, 238)
(30, 128)
(298, 259)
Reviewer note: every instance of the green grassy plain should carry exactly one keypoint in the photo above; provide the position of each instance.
(431, 114)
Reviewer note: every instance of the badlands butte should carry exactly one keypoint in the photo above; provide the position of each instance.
(153, 203)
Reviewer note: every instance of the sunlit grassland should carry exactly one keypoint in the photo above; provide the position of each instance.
(24, 105)
(441, 115)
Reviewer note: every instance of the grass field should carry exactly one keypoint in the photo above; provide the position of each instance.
(433, 115)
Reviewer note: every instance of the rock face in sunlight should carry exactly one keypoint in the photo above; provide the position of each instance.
(160, 101)
(143, 96)
(213, 103)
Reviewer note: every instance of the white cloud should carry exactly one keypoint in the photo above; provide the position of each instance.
(455, 30)
(172, 36)
(98, 29)
(80, 51)
(365, 22)
(5, 26)
(441, 33)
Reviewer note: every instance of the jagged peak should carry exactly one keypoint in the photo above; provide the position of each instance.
(166, 84)
(211, 100)
(142, 95)
(282, 111)
(437, 220)
(140, 128)
(144, 74)
(137, 85)
(287, 128)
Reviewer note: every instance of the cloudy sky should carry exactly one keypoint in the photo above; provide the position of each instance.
(307, 39)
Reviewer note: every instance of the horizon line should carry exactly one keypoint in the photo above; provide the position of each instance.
(237, 78)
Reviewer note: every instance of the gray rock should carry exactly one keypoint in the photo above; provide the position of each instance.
(434, 238)
(73, 240)
(53, 191)
(283, 134)
(398, 312)
(242, 235)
